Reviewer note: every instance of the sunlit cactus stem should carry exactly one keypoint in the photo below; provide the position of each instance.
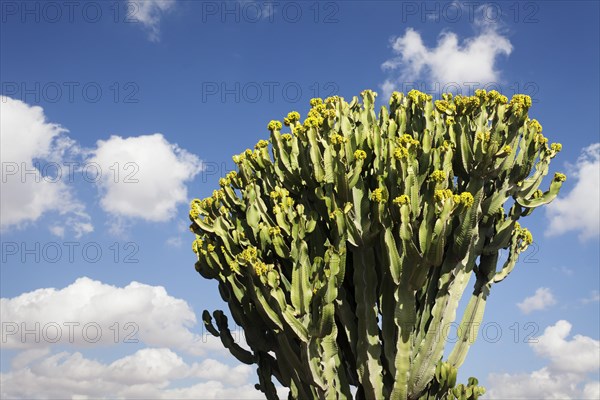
(344, 244)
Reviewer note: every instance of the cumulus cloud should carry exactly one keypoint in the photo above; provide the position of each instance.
(151, 177)
(542, 299)
(565, 377)
(450, 61)
(90, 313)
(148, 373)
(149, 13)
(29, 145)
(579, 209)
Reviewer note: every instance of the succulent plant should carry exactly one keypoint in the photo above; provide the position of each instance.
(343, 246)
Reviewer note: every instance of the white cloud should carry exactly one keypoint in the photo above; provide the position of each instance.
(542, 299)
(579, 210)
(472, 61)
(148, 373)
(27, 141)
(149, 13)
(566, 375)
(90, 313)
(151, 177)
(594, 297)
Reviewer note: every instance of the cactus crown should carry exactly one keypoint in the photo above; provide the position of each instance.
(343, 247)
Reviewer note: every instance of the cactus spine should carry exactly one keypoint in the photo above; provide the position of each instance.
(343, 246)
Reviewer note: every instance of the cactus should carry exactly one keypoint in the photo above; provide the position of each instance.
(343, 246)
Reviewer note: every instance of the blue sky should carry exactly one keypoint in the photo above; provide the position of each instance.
(167, 99)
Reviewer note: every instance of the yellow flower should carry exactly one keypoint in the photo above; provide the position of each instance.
(360, 154)
(442, 194)
(535, 125)
(249, 254)
(292, 117)
(438, 176)
(402, 199)
(224, 182)
(467, 199)
(260, 268)
(556, 147)
(316, 101)
(197, 245)
(274, 125)
(377, 195)
(275, 230)
(520, 103)
(560, 177)
(336, 138)
(261, 144)
(400, 152)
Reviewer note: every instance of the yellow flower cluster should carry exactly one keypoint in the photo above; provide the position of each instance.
(238, 158)
(537, 194)
(377, 195)
(442, 194)
(287, 137)
(483, 137)
(523, 234)
(400, 152)
(465, 102)
(316, 101)
(249, 254)
(333, 99)
(279, 193)
(260, 268)
(507, 149)
(445, 146)
(492, 96)
(274, 125)
(197, 245)
(556, 147)
(450, 121)
(274, 231)
(445, 106)
(336, 138)
(438, 176)
(218, 195)
(520, 103)
(540, 138)
(195, 208)
(261, 144)
(560, 177)
(402, 199)
(408, 140)
(360, 154)
(291, 118)
(418, 97)
(466, 199)
(298, 129)
(396, 97)
(535, 125)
